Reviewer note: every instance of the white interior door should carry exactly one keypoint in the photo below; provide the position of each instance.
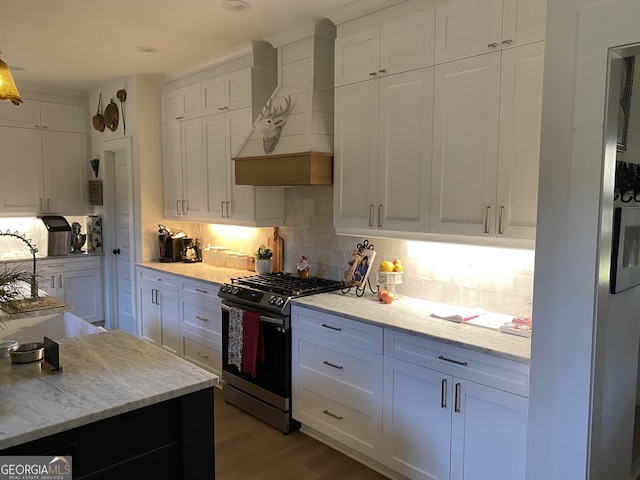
(124, 312)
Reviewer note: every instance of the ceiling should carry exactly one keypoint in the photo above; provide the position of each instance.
(81, 44)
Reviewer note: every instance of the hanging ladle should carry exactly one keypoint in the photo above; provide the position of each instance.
(122, 96)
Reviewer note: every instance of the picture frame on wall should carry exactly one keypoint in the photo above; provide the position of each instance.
(625, 251)
(624, 107)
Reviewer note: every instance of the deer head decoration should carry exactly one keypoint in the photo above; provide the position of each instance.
(270, 123)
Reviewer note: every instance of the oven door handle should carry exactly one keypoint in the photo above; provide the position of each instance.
(263, 318)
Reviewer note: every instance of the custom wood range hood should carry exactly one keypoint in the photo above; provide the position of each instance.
(303, 154)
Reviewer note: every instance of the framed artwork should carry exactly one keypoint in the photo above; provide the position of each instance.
(359, 265)
(624, 107)
(625, 252)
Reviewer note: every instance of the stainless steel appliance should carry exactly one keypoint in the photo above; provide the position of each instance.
(59, 235)
(171, 244)
(267, 396)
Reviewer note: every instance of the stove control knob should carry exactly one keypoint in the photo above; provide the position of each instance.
(235, 290)
(272, 300)
(223, 289)
(279, 301)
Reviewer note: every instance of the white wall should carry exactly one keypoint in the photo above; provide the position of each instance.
(584, 351)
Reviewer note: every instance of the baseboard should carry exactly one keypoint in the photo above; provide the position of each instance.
(349, 452)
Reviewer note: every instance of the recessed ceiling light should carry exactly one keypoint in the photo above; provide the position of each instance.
(145, 49)
(235, 5)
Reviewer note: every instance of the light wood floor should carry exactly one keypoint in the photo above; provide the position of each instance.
(248, 449)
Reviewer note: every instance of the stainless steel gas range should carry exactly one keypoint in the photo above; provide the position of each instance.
(263, 388)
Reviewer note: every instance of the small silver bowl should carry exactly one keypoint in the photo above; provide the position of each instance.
(27, 352)
(4, 347)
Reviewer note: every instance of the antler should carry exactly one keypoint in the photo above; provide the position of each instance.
(269, 111)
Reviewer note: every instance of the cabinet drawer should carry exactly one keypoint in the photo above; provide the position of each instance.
(482, 368)
(352, 371)
(353, 333)
(202, 352)
(355, 424)
(203, 321)
(154, 277)
(202, 290)
(65, 264)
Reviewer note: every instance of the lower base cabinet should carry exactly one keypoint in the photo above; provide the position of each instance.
(445, 412)
(159, 309)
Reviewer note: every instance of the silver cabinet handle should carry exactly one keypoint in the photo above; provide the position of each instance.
(383, 70)
(185, 209)
(53, 281)
(443, 394)
(152, 296)
(339, 367)
(222, 209)
(178, 207)
(371, 215)
(40, 204)
(330, 327)
(228, 209)
(486, 220)
(337, 417)
(45, 126)
(202, 355)
(380, 216)
(199, 290)
(60, 281)
(509, 41)
(493, 45)
(500, 218)
(456, 407)
(451, 360)
(37, 126)
(373, 74)
(204, 319)
(48, 204)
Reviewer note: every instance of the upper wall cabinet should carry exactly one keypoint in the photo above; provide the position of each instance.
(465, 28)
(227, 92)
(44, 158)
(386, 49)
(44, 115)
(181, 104)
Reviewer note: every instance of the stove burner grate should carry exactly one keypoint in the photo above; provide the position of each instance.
(285, 284)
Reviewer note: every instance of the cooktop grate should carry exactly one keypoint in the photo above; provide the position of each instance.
(286, 284)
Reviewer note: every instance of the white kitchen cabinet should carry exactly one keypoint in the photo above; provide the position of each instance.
(465, 28)
(417, 420)
(44, 166)
(452, 413)
(519, 141)
(392, 47)
(44, 116)
(184, 172)
(227, 92)
(181, 104)
(228, 203)
(383, 153)
(201, 324)
(159, 309)
(486, 185)
(337, 379)
(77, 281)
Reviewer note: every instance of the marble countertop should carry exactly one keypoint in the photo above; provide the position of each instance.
(104, 374)
(411, 315)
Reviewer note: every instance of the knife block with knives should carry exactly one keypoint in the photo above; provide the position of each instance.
(276, 244)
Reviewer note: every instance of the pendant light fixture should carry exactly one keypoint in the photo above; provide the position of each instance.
(8, 90)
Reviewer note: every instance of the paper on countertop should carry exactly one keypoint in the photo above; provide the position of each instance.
(458, 314)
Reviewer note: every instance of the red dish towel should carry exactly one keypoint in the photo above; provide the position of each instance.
(253, 343)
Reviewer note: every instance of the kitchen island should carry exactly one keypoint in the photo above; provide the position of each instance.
(122, 408)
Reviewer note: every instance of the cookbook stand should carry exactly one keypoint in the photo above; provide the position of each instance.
(349, 282)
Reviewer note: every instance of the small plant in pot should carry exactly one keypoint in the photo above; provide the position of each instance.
(264, 262)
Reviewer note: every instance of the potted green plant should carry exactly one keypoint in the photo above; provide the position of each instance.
(264, 261)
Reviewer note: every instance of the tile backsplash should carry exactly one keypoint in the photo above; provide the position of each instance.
(497, 279)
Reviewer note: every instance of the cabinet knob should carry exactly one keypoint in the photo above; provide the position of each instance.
(116, 251)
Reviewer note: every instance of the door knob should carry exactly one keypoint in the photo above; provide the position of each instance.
(116, 251)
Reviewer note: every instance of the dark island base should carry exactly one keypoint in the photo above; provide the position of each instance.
(171, 440)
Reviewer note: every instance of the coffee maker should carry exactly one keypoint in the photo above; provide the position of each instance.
(171, 245)
(192, 252)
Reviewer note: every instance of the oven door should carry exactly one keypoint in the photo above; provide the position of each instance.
(273, 377)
